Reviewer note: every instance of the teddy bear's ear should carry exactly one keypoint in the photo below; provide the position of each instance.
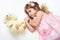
(10, 17)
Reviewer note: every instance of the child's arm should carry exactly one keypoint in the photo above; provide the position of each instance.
(28, 25)
(35, 22)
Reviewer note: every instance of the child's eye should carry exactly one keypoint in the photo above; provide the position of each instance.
(29, 10)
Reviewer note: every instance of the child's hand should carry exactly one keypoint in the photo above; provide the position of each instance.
(27, 19)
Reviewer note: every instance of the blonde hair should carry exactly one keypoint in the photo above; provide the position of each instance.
(45, 9)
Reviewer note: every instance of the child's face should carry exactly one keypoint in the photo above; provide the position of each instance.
(31, 12)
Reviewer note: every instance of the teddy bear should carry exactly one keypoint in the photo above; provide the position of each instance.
(14, 25)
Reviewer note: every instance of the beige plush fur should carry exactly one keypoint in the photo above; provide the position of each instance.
(14, 25)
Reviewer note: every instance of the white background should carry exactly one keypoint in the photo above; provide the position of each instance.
(16, 7)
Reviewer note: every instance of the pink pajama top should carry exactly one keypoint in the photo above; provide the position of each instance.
(49, 28)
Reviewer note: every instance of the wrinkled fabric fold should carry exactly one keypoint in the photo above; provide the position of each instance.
(49, 28)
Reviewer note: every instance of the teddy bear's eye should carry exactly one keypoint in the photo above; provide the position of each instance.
(11, 25)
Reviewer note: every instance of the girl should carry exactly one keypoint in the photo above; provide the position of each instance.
(40, 19)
